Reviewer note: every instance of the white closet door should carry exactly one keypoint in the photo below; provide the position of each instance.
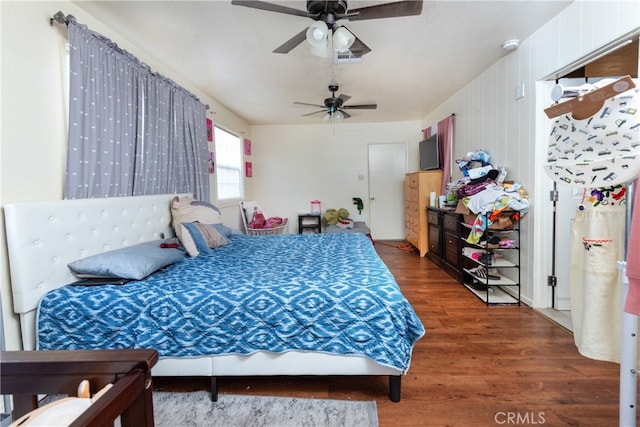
(568, 201)
(387, 169)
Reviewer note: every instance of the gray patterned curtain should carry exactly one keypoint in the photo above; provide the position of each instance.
(131, 131)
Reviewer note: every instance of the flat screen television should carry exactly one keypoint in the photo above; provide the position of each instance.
(429, 153)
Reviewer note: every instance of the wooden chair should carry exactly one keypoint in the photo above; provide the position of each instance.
(25, 374)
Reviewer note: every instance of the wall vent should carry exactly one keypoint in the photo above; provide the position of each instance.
(346, 58)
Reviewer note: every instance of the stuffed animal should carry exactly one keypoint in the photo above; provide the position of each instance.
(473, 156)
(332, 216)
(359, 205)
(187, 209)
(258, 220)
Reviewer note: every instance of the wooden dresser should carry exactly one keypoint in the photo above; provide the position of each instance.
(417, 186)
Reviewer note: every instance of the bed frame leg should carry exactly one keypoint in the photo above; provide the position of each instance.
(214, 389)
(395, 384)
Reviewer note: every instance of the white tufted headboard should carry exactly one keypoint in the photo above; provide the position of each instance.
(43, 237)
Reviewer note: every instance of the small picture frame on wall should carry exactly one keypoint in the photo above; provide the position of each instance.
(209, 129)
(247, 147)
(248, 169)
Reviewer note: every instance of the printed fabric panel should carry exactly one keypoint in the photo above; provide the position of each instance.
(600, 150)
(324, 292)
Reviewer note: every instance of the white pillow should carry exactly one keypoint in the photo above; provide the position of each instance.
(187, 209)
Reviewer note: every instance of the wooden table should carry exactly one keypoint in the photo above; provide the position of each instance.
(25, 374)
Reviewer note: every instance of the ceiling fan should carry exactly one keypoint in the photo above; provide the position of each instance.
(326, 14)
(334, 106)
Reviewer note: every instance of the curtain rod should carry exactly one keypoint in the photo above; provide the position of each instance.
(452, 115)
(59, 18)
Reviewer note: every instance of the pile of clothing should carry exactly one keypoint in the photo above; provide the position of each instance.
(487, 201)
(258, 221)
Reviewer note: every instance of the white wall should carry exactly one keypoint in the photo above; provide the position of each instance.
(298, 163)
(515, 132)
(33, 121)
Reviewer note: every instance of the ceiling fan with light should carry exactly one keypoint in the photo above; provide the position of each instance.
(326, 14)
(334, 106)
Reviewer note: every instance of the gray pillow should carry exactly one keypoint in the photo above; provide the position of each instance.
(133, 262)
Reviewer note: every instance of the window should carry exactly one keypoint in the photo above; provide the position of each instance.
(228, 165)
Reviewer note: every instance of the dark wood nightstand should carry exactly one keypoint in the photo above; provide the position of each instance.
(309, 223)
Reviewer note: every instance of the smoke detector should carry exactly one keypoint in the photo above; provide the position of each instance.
(511, 44)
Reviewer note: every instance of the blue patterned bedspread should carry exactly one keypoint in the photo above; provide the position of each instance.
(324, 292)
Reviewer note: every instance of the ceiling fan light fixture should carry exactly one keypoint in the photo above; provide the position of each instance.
(343, 39)
(338, 116)
(317, 36)
(326, 117)
(321, 51)
(317, 33)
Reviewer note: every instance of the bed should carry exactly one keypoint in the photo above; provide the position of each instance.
(314, 304)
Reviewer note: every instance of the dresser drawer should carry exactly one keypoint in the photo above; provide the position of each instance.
(412, 224)
(411, 209)
(451, 248)
(434, 241)
(433, 217)
(450, 222)
(413, 180)
(412, 237)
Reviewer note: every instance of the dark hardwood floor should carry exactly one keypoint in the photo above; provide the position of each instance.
(476, 366)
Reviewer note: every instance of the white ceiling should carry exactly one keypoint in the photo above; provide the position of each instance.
(415, 63)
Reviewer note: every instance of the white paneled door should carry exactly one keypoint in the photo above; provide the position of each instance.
(387, 169)
(568, 201)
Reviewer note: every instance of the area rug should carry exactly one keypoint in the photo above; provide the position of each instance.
(197, 409)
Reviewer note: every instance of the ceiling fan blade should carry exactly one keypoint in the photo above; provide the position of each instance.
(362, 106)
(311, 105)
(344, 97)
(345, 115)
(358, 48)
(294, 41)
(315, 112)
(387, 10)
(270, 7)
